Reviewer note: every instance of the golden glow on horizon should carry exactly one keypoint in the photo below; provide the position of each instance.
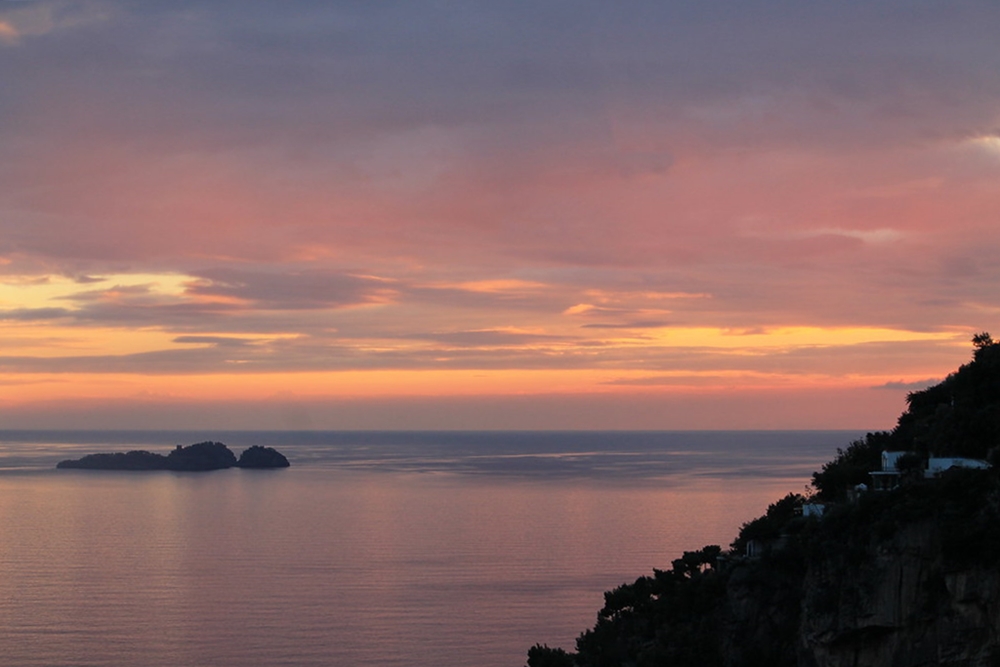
(50, 291)
(48, 342)
(25, 388)
(539, 353)
(556, 336)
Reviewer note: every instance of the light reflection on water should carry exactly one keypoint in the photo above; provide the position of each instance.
(365, 552)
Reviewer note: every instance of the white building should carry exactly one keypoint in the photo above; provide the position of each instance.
(813, 509)
(888, 477)
(936, 466)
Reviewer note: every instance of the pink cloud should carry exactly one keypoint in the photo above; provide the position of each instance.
(344, 174)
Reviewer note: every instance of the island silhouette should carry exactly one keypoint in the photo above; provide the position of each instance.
(202, 456)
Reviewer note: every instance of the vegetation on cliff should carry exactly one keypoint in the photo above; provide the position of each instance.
(900, 578)
(959, 416)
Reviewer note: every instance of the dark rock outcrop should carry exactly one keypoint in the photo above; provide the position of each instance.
(915, 581)
(134, 460)
(262, 457)
(202, 456)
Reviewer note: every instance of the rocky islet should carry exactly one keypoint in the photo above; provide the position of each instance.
(199, 457)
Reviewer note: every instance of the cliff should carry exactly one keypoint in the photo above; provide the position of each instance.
(901, 578)
(915, 580)
(908, 578)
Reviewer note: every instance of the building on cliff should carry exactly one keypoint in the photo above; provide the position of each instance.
(807, 510)
(893, 468)
(888, 477)
(936, 466)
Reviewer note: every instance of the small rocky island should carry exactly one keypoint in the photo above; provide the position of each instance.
(198, 457)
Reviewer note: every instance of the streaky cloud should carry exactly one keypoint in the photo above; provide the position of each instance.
(291, 289)
(220, 341)
(35, 314)
(917, 385)
(641, 324)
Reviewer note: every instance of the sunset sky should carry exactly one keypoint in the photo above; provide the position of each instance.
(632, 214)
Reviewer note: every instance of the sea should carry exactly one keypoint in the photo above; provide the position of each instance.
(443, 549)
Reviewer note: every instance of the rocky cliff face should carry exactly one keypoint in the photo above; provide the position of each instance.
(762, 615)
(909, 578)
(906, 579)
(900, 604)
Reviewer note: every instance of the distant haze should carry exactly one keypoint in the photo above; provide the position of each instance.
(639, 214)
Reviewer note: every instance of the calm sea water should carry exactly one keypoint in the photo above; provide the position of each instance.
(418, 549)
